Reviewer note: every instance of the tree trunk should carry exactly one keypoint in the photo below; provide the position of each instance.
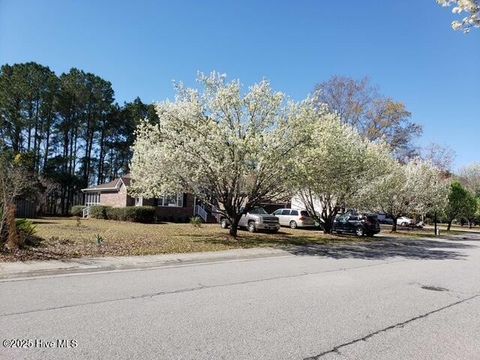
(327, 227)
(435, 223)
(47, 147)
(328, 223)
(234, 227)
(101, 158)
(13, 237)
(75, 147)
(449, 224)
(233, 230)
(394, 225)
(234, 219)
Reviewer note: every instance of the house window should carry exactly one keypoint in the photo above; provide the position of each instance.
(92, 199)
(171, 200)
(138, 201)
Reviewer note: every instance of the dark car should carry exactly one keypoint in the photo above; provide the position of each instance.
(358, 224)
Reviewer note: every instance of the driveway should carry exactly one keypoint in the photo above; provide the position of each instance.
(382, 299)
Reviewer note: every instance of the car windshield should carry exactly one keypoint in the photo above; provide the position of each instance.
(258, 210)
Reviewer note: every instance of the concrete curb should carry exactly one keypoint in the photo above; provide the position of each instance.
(15, 270)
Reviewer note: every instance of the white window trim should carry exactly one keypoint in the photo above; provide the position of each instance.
(178, 204)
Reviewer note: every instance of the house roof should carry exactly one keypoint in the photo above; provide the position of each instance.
(113, 185)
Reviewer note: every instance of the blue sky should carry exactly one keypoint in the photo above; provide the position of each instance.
(406, 47)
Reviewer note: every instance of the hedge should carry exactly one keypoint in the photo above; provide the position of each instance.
(99, 212)
(77, 210)
(143, 214)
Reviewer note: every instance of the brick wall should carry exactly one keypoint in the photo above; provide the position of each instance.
(163, 213)
(114, 199)
(171, 213)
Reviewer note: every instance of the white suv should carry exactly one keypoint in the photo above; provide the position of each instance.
(294, 218)
(404, 221)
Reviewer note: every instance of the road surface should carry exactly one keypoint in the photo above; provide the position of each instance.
(395, 299)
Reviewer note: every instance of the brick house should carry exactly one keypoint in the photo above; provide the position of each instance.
(177, 208)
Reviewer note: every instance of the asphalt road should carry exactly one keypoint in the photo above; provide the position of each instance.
(401, 299)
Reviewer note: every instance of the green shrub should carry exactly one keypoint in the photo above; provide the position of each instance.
(114, 213)
(196, 221)
(77, 210)
(99, 212)
(26, 228)
(142, 214)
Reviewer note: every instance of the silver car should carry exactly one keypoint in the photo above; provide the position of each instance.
(255, 219)
(294, 218)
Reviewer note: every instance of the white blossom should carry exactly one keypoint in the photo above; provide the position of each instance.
(227, 147)
(415, 188)
(471, 7)
(336, 165)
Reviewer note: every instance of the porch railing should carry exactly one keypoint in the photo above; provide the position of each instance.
(86, 212)
(200, 211)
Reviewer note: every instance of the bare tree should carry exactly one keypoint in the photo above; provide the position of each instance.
(439, 155)
(359, 103)
(14, 182)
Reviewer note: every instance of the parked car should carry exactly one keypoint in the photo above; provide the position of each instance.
(255, 219)
(358, 224)
(386, 221)
(294, 218)
(405, 221)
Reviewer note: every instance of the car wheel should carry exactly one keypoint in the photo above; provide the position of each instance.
(251, 226)
(359, 231)
(404, 224)
(224, 224)
(293, 224)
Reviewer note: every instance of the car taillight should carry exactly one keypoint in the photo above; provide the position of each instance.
(302, 218)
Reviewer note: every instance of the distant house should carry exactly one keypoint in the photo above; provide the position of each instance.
(297, 203)
(178, 208)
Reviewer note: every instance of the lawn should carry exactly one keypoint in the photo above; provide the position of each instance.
(58, 238)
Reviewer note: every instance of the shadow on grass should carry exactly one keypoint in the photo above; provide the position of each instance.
(33, 249)
(44, 222)
(343, 247)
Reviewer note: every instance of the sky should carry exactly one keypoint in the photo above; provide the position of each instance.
(405, 47)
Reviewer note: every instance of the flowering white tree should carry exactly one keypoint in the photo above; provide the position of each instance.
(337, 163)
(228, 148)
(470, 7)
(470, 177)
(417, 187)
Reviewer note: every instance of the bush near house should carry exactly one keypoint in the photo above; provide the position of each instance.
(142, 214)
(77, 210)
(99, 212)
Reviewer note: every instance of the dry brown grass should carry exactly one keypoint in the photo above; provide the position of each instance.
(62, 238)
(59, 238)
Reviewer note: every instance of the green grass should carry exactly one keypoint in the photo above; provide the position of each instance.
(59, 238)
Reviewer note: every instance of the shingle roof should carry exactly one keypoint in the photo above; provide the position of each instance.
(113, 185)
(127, 179)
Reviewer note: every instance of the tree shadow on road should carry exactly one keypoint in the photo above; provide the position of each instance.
(385, 248)
(342, 247)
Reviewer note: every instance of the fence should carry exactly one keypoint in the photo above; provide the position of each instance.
(25, 209)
